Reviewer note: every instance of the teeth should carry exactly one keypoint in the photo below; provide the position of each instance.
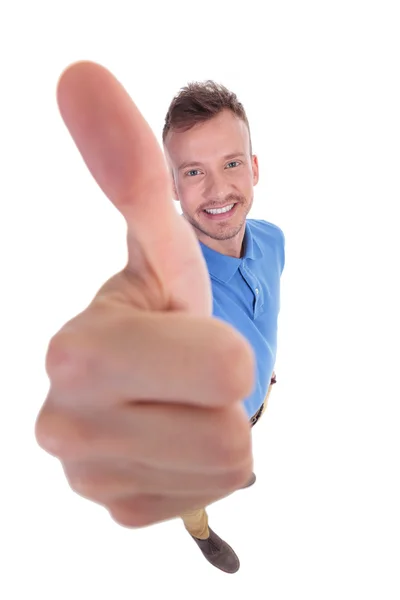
(218, 211)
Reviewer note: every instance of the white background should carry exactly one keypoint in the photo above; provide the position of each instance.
(320, 83)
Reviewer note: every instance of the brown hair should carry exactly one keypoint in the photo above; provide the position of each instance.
(199, 102)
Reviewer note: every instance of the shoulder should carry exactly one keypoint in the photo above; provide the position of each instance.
(269, 235)
(263, 229)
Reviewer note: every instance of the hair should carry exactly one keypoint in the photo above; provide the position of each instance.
(199, 102)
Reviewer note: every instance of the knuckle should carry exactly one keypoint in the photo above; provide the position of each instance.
(129, 517)
(58, 352)
(88, 479)
(85, 486)
(124, 519)
(62, 435)
(71, 360)
(45, 435)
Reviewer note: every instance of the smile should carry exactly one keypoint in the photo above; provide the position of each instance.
(217, 214)
(217, 211)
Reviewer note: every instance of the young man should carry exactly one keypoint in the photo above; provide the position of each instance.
(144, 363)
(207, 144)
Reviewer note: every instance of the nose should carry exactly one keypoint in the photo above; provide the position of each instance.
(216, 187)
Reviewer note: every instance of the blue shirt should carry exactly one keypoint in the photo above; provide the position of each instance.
(246, 294)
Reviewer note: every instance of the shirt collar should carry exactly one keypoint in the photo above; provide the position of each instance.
(224, 267)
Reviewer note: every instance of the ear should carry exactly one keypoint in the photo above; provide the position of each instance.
(254, 166)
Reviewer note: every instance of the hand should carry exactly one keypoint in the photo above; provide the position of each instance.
(144, 408)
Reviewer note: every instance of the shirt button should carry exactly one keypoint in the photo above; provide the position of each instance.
(256, 290)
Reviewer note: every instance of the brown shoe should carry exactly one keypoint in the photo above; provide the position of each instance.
(218, 553)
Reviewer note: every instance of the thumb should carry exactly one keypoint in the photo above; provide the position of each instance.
(123, 155)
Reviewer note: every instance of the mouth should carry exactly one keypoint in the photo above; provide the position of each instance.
(221, 214)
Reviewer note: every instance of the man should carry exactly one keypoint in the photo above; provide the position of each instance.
(208, 147)
(145, 408)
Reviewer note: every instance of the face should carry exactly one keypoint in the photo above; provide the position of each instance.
(212, 168)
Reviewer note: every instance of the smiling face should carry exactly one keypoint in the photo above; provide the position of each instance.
(213, 168)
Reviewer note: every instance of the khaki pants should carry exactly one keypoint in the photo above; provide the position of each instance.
(196, 521)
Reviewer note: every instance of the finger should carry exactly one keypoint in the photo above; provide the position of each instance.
(167, 357)
(168, 437)
(124, 157)
(104, 480)
(144, 510)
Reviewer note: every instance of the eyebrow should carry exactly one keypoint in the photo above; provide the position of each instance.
(185, 165)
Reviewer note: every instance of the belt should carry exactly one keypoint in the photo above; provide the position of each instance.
(258, 414)
(255, 417)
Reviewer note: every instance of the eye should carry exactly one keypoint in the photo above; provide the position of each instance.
(192, 172)
(233, 163)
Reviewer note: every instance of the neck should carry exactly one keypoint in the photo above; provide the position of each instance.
(233, 247)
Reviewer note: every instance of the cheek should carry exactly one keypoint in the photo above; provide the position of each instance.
(246, 181)
(187, 195)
